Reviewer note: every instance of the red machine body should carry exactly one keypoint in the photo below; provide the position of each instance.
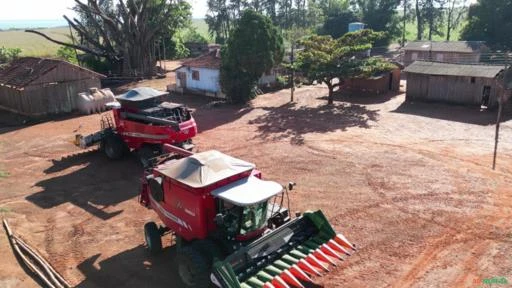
(135, 134)
(189, 211)
(230, 227)
(143, 123)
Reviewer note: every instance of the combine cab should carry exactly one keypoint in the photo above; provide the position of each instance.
(142, 123)
(230, 226)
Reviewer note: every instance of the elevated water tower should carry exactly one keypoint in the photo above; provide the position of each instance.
(355, 26)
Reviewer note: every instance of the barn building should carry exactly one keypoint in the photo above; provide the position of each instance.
(444, 51)
(378, 84)
(201, 75)
(37, 86)
(468, 84)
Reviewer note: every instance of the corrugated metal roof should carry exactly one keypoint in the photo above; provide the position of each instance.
(445, 46)
(448, 69)
(21, 72)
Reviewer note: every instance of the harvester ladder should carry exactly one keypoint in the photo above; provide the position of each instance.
(106, 122)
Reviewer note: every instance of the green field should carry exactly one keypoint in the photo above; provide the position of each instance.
(32, 44)
(35, 45)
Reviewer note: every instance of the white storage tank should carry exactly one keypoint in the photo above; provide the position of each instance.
(94, 100)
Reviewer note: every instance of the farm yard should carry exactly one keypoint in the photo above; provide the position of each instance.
(410, 183)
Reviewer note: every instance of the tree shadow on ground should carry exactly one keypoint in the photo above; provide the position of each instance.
(96, 186)
(11, 121)
(209, 112)
(136, 268)
(457, 113)
(291, 122)
(362, 98)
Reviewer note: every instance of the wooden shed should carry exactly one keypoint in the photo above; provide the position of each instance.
(454, 83)
(378, 84)
(37, 86)
(444, 51)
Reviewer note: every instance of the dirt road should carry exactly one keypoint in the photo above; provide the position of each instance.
(411, 184)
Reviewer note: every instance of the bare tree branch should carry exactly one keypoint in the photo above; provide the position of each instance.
(78, 47)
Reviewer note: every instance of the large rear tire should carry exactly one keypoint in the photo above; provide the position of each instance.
(114, 147)
(146, 153)
(193, 268)
(153, 237)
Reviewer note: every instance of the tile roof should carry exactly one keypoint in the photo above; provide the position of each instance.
(448, 69)
(21, 72)
(209, 60)
(446, 46)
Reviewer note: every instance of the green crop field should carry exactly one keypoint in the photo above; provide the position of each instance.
(35, 45)
(32, 44)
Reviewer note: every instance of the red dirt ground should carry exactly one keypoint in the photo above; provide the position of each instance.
(411, 184)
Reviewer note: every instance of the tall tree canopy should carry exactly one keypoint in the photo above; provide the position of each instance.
(380, 15)
(254, 47)
(455, 10)
(337, 25)
(125, 33)
(490, 21)
(331, 61)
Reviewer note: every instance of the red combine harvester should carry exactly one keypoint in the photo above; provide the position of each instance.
(230, 226)
(142, 123)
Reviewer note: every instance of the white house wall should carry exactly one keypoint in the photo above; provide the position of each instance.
(208, 79)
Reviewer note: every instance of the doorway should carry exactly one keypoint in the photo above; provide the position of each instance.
(486, 94)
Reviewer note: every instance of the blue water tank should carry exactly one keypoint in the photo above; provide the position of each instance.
(355, 26)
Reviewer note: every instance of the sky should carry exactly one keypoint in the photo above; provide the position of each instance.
(54, 9)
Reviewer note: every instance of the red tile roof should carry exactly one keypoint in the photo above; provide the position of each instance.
(209, 60)
(21, 72)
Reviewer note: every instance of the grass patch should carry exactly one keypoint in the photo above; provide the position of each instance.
(4, 174)
(5, 209)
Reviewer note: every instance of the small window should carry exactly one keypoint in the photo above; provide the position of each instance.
(473, 80)
(195, 75)
(439, 57)
(414, 55)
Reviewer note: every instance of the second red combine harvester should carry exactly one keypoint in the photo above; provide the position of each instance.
(231, 227)
(142, 123)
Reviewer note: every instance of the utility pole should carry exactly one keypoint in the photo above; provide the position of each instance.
(501, 101)
(405, 22)
(293, 73)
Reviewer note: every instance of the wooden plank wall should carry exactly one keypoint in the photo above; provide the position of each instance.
(450, 89)
(54, 92)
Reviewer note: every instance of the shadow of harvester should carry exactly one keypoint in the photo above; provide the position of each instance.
(137, 268)
(100, 183)
(291, 122)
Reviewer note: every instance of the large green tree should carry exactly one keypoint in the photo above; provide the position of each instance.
(125, 33)
(490, 21)
(253, 47)
(331, 61)
(337, 25)
(382, 16)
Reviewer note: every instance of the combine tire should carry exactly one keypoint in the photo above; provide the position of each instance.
(192, 268)
(145, 153)
(113, 147)
(153, 238)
